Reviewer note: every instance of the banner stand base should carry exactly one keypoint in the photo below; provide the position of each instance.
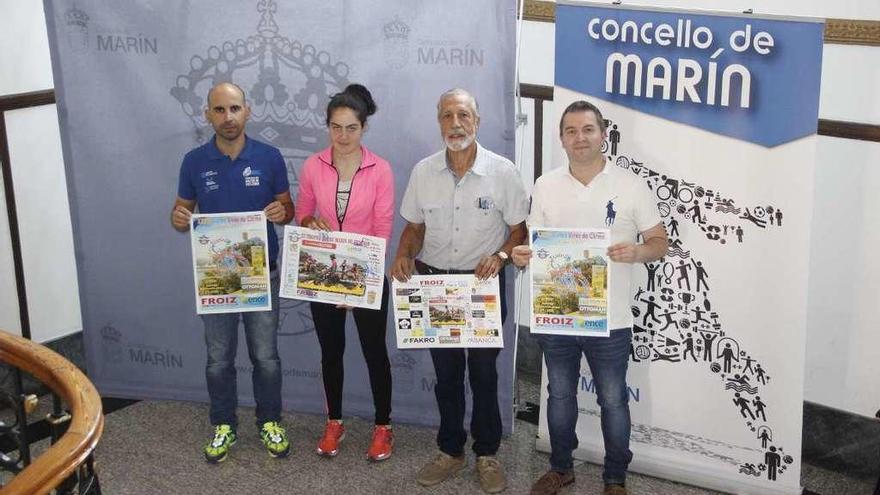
(692, 475)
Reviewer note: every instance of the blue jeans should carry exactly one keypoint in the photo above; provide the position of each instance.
(608, 358)
(450, 365)
(221, 339)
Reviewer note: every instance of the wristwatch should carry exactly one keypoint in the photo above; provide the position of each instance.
(504, 256)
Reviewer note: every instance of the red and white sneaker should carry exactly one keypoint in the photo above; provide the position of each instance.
(382, 444)
(334, 432)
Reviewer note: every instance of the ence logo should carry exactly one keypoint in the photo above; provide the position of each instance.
(256, 300)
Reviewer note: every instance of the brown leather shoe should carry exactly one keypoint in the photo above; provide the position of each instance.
(438, 470)
(615, 489)
(552, 482)
(491, 474)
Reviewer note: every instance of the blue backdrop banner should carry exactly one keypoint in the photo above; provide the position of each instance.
(131, 81)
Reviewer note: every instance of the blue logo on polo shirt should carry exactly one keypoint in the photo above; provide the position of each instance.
(610, 212)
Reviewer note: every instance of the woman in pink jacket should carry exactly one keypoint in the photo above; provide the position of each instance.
(348, 188)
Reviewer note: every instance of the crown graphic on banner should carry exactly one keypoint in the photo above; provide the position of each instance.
(76, 17)
(287, 84)
(110, 333)
(396, 29)
(401, 360)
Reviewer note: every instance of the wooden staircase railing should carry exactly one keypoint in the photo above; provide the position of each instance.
(74, 448)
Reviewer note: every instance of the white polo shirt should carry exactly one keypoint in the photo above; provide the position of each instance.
(561, 201)
(467, 219)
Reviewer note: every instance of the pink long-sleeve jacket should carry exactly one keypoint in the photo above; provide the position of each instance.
(371, 201)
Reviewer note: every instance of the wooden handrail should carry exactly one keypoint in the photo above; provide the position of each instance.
(86, 425)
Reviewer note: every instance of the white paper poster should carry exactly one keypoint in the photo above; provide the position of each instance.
(230, 265)
(332, 267)
(569, 281)
(447, 311)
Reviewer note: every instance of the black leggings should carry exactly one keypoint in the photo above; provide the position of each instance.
(371, 324)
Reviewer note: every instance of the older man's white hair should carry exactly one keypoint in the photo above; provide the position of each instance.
(472, 102)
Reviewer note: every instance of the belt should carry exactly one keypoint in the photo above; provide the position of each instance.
(426, 269)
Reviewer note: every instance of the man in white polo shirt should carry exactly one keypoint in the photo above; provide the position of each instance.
(465, 209)
(590, 193)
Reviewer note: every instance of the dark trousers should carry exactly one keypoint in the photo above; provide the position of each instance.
(450, 366)
(371, 324)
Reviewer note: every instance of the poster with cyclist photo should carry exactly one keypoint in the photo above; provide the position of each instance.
(230, 264)
(332, 267)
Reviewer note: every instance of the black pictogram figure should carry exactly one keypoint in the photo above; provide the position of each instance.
(667, 316)
(743, 406)
(772, 460)
(728, 356)
(668, 355)
(614, 137)
(696, 216)
(698, 315)
(759, 373)
(639, 293)
(707, 347)
(759, 407)
(742, 380)
(701, 275)
(652, 271)
(765, 437)
(683, 274)
(673, 227)
(754, 219)
(652, 307)
(748, 366)
(689, 347)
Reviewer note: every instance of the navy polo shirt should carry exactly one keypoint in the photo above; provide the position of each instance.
(248, 183)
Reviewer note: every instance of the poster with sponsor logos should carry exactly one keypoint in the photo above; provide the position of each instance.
(332, 267)
(230, 262)
(447, 311)
(569, 281)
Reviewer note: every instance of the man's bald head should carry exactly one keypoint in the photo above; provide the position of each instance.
(226, 85)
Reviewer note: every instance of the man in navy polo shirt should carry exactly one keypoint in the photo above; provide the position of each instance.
(233, 173)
